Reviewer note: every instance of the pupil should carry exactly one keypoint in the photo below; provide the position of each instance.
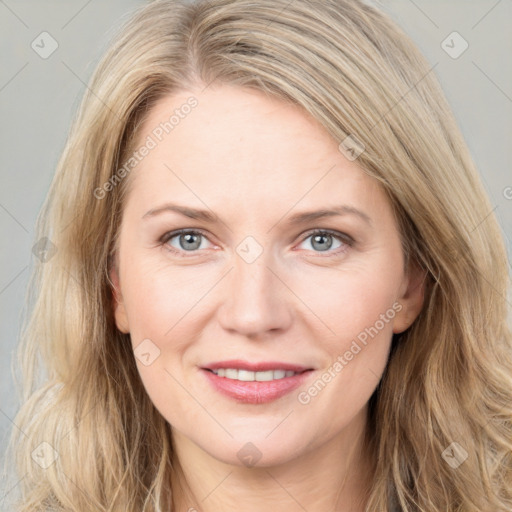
(189, 239)
(317, 238)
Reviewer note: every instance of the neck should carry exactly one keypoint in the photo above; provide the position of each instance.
(335, 476)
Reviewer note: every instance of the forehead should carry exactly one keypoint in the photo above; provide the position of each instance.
(241, 146)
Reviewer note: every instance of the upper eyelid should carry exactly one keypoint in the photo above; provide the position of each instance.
(171, 234)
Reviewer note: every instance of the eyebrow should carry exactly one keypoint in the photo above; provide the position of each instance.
(297, 218)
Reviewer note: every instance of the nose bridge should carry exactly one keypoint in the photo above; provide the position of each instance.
(254, 301)
(253, 280)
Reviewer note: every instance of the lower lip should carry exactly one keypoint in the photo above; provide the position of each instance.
(256, 392)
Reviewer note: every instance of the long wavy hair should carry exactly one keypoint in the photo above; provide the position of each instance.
(87, 436)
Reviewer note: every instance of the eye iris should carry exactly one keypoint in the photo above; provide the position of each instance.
(188, 238)
(191, 241)
(320, 238)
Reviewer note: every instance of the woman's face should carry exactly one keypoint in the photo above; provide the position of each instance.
(296, 311)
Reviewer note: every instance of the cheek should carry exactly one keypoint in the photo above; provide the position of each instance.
(161, 298)
(166, 301)
(335, 306)
(357, 306)
(349, 299)
(163, 304)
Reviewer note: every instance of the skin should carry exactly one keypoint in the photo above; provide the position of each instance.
(255, 161)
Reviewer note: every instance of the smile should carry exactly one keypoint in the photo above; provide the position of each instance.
(255, 383)
(249, 376)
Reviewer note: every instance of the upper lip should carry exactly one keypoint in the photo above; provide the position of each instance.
(256, 367)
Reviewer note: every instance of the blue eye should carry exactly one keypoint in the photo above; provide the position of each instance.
(191, 240)
(187, 240)
(322, 241)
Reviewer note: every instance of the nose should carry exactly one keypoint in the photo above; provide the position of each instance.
(256, 301)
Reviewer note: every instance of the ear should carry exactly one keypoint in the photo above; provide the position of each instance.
(411, 299)
(120, 315)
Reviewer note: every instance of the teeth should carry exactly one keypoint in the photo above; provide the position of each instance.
(268, 375)
(245, 375)
(279, 374)
(231, 373)
(248, 376)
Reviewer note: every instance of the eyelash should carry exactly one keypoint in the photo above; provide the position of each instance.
(347, 240)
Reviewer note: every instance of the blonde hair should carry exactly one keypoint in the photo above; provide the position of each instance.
(449, 376)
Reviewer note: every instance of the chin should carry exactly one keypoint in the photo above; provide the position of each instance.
(255, 448)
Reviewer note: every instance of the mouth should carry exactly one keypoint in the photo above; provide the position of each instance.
(255, 383)
(250, 376)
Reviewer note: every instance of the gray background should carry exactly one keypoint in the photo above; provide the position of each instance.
(38, 97)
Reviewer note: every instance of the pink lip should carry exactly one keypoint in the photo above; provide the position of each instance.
(256, 367)
(255, 392)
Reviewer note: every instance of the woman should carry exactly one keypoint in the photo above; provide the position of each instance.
(204, 350)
